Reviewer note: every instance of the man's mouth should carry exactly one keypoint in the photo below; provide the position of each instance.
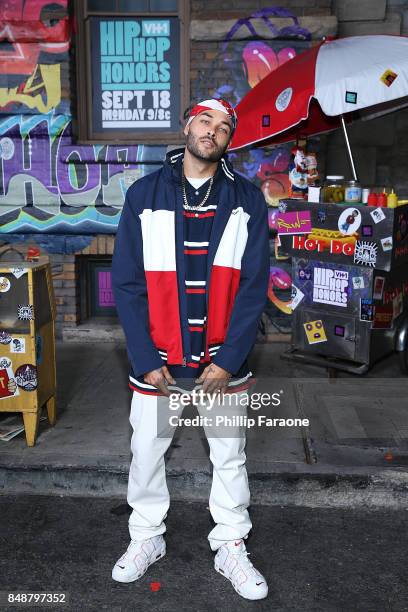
(207, 141)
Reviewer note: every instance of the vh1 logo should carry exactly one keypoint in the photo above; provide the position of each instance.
(337, 247)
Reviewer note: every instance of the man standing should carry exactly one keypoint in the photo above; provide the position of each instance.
(190, 274)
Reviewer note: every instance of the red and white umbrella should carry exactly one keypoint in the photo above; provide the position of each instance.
(337, 81)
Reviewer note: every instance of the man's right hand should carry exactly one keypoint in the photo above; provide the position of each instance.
(160, 379)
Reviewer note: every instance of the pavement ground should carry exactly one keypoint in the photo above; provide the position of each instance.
(315, 560)
(353, 452)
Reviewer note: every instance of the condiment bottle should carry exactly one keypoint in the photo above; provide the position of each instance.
(382, 199)
(392, 200)
(372, 199)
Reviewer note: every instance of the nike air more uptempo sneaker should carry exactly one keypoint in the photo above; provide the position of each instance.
(232, 562)
(139, 556)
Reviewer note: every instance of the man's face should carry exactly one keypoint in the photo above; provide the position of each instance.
(208, 135)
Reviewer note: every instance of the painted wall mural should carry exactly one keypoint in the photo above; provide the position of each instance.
(49, 184)
(33, 48)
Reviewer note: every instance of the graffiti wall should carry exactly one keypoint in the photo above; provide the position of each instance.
(49, 184)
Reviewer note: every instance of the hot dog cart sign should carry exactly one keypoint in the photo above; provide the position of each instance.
(135, 74)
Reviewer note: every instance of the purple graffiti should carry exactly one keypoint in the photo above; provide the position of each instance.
(293, 31)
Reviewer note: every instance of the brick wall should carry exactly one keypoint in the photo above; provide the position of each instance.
(65, 275)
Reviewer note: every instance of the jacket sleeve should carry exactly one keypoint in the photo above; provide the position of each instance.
(252, 293)
(130, 291)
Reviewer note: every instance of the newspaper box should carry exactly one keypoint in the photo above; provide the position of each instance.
(27, 342)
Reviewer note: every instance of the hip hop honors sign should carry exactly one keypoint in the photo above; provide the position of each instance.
(135, 74)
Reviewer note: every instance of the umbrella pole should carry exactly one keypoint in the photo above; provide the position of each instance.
(353, 168)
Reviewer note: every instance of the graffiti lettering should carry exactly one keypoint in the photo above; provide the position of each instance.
(41, 91)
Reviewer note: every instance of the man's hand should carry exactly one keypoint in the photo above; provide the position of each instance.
(160, 379)
(214, 379)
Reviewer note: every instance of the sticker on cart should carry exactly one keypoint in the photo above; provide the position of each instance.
(18, 271)
(358, 282)
(339, 330)
(315, 331)
(26, 377)
(5, 337)
(378, 288)
(386, 243)
(321, 216)
(382, 317)
(17, 345)
(365, 253)
(330, 286)
(304, 274)
(25, 313)
(297, 297)
(366, 310)
(397, 306)
(349, 221)
(8, 386)
(4, 284)
(402, 225)
(377, 215)
(367, 231)
(282, 206)
(298, 222)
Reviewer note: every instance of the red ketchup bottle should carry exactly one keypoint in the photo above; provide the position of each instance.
(382, 199)
(372, 199)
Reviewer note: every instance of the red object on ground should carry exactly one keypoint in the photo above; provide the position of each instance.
(155, 586)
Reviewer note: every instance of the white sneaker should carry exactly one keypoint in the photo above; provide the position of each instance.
(232, 562)
(139, 555)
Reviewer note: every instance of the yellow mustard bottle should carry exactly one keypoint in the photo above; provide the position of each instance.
(392, 200)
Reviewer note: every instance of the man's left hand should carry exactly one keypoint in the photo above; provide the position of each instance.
(214, 379)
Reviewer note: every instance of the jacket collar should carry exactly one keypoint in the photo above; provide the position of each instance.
(174, 160)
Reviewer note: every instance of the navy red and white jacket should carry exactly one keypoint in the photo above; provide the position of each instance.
(148, 275)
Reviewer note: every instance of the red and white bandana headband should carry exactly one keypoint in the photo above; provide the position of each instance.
(219, 105)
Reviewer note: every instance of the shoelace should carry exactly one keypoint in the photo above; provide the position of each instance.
(244, 554)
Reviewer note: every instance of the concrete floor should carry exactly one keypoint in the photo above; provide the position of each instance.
(315, 560)
(357, 437)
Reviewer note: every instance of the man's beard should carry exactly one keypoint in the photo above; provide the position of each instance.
(213, 155)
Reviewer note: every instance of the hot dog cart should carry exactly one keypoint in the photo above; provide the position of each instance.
(349, 282)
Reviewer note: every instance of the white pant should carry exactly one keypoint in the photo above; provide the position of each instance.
(148, 494)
